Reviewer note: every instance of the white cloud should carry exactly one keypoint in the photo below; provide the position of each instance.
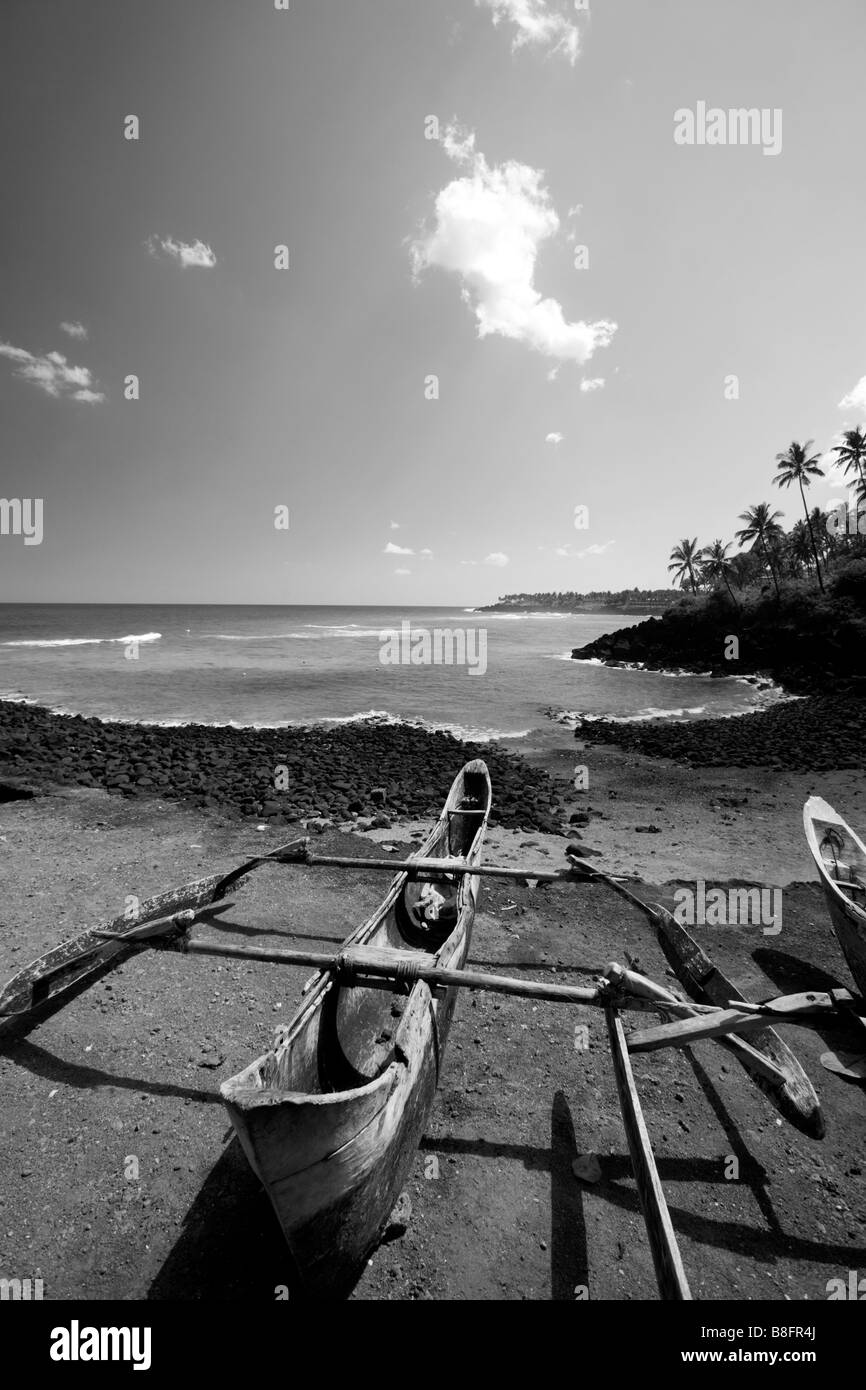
(392, 549)
(490, 225)
(54, 375)
(74, 329)
(402, 571)
(496, 558)
(196, 253)
(426, 554)
(554, 437)
(537, 23)
(567, 552)
(395, 526)
(856, 398)
(592, 383)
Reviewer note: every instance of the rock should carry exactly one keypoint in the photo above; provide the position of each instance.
(399, 1219)
(586, 1167)
(409, 770)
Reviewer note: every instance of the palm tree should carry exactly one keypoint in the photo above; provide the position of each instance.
(717, 565)
(821, 532)
(800, 547)
(795, 465)
(684, 557)
(741, 567)
(852, 455)
(762, 527)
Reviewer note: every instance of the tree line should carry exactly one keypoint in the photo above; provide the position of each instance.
(811, 547)
(572, 598)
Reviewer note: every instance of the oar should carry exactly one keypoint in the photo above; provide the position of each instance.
(671, 1276)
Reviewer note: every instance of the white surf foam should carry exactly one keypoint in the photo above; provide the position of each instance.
(83, 641)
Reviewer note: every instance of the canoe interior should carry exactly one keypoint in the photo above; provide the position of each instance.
(843, 859)
(345, 1037)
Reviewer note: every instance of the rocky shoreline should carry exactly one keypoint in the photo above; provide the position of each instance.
(366, 774)
(813, 734)
(806, 651)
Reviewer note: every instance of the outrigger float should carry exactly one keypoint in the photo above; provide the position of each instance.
(330, 1118)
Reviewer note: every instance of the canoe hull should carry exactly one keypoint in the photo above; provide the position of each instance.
(832, 841)
(334, 1212)
(796, 1099)
(334, 1162)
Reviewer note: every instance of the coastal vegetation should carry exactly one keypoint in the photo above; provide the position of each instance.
(790, 603)
(571, 601)
(823, 541)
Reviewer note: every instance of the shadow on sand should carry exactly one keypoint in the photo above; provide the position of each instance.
(230, 1247)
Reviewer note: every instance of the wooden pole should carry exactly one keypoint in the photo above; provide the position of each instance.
(363, 964)
(807, 1009)
(747, 1055)
(425, 868)
(671, 1276)
(686, 1031)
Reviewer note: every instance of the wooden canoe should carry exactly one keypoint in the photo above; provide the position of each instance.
(840, 858)
(331, 1117)
(793, 1093)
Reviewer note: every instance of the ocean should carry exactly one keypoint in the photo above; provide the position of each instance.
(283, 665)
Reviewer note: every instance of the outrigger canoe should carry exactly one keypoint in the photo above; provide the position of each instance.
(840, 858)
(331, 1117)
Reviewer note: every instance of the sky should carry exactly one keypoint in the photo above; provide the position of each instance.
(518, 284)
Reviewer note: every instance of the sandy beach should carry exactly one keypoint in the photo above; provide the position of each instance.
(131, 1069)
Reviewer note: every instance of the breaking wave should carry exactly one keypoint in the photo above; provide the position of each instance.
(83, 641)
